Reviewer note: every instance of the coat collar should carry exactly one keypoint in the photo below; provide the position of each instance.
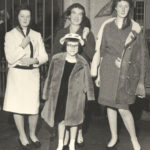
(136, 29)
(79, 64)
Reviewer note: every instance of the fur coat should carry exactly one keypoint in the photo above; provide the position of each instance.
(80, 84)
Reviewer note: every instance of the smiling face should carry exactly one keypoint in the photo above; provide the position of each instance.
(122, 9)
(72, 48)
(76, 16)
(24, 18)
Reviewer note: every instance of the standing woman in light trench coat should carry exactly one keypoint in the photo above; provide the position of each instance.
(25, 52)
(122, 55)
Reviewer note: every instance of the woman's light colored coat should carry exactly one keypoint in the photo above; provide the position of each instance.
(23, 85)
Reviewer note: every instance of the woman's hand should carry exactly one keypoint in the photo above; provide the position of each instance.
(97, 82)
(29, 61)
(86, 31)
(118, 62)
(140, 91)
(25, 42)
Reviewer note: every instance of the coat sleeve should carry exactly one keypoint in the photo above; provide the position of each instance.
(89, 47)
(89, 84)
(143, 53)
(42, 56)
(145, 62)
(57, 46)
(13, 52)
(100, 50)
(48, 81)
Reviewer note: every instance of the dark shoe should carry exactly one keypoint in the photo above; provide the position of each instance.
(80, 144)
(36, 144)
(65, 147)
(112, 147)
(24, 147)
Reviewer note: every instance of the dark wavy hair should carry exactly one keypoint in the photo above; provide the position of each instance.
(127, 20)
(71, 40)
(85, 20)
(67, 13)
(22, 7)
(75, 5)
(115, 2)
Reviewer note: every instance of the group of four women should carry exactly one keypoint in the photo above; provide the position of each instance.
(119, 61)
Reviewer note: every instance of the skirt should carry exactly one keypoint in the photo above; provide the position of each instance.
(22, 91)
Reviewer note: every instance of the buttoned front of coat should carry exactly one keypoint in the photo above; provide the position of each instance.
(133, 69)
(80, 84)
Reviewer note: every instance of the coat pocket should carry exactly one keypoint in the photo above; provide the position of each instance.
(131, 84)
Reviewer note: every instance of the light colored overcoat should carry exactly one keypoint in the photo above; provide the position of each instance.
(23, 85)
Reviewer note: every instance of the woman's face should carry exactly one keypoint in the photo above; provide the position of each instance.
(72, 48)
(122, 9)
(76, 16)
(24, 18)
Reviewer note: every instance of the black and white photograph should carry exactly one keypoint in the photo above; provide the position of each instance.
(74, 74)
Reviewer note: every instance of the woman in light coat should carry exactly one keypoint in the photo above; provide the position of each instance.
(25, 52)
(122, 56)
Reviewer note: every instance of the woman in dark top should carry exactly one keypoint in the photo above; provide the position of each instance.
(78, 23)
(122, 69)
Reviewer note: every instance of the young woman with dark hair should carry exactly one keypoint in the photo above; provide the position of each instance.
(25, 52)
(121, 55)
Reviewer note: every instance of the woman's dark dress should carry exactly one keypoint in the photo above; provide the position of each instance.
(63, 92)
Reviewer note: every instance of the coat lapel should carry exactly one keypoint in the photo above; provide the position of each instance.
(77, 66)
(130, 39)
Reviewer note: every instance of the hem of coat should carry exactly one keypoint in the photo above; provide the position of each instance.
(108, 103)
(91, 98)
(68, 123)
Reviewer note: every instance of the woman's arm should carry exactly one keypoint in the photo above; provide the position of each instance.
(42, 56)
(140, 91)
(89, 46)
(98, 56)
(13, 52)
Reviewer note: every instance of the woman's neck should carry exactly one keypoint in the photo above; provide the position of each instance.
(23, 28)
(74, 28)
(71, 59)
(119, 22)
